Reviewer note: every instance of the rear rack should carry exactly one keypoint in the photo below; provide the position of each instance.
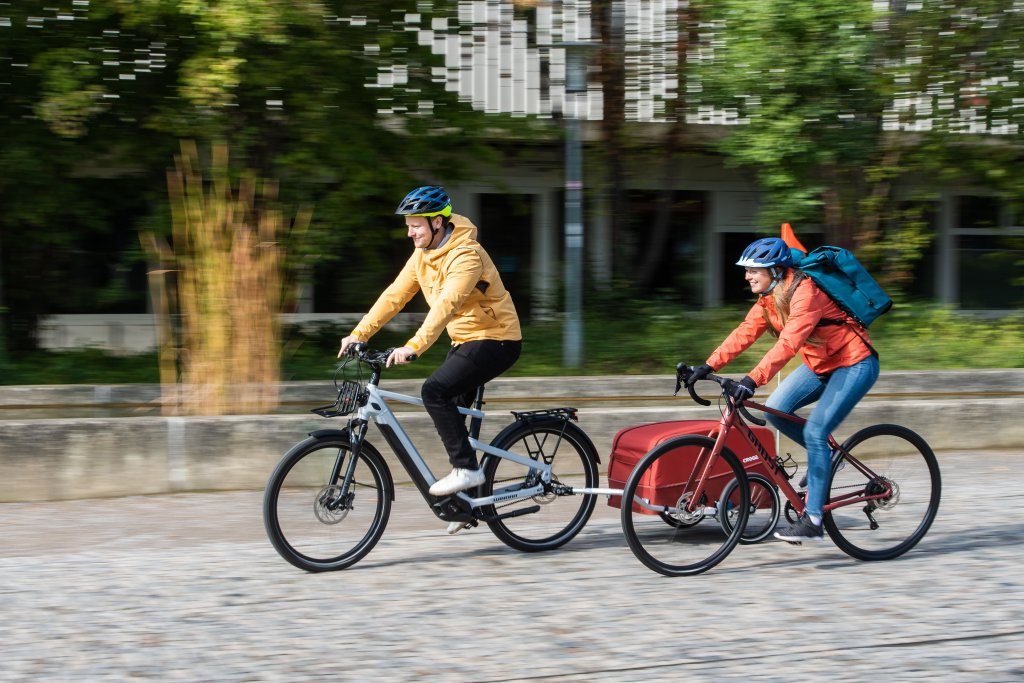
(558, 413)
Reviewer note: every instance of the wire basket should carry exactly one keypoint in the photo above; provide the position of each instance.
(350, 396)
(351, 392)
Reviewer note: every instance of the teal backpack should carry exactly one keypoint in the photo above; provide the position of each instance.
(840, 275)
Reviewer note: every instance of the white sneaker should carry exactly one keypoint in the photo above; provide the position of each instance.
(456, 527)
(458, 480)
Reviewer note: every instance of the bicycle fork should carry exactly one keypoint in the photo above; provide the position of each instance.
(343, 499)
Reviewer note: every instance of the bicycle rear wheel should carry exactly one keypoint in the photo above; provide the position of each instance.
(560, 517)
(885, 528)
(764, 508)
(310, 520)
(660, 478)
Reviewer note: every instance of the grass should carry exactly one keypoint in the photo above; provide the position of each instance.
(650, 341)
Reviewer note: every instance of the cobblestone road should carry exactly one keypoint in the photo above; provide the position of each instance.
(186, 587)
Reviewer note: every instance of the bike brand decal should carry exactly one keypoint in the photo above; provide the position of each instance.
(771, 462)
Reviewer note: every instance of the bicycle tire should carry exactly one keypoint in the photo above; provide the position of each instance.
(765, 509)
(302, 529)
(574, 460)
(672, 550)
(902, 457)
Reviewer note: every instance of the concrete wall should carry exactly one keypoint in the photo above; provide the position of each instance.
(48, 458)
(136, 332)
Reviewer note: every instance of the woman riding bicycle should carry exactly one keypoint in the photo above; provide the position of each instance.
(466, 297)
(840, 365)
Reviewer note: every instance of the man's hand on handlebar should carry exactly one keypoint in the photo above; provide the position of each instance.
(400, 356)
(347, 343)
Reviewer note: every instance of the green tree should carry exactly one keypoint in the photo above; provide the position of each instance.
(845, 106)
(95, 98)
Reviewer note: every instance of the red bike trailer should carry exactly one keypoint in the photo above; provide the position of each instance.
(664, 482)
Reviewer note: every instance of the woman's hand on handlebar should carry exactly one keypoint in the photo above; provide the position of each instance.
(697, 373)
(741, 390)
(400, 356)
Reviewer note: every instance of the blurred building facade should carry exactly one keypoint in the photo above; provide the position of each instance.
(500, 63)
(518, 205)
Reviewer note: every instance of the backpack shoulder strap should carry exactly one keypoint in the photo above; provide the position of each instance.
(825, 322)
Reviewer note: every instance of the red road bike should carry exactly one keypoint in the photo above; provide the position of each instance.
(884, 490)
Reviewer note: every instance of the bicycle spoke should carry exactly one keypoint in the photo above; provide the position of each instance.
(903, 478)
(549, 520)
(313, 522)
(685, 539)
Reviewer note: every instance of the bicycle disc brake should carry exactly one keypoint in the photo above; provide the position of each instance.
(544, 498)
(684, 516)
(878, 486)
(551, 487)
(330, 506)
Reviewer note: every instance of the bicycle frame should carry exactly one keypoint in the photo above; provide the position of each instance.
(731, 419)
(377, 410)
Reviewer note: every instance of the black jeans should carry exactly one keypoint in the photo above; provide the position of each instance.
(454, 384)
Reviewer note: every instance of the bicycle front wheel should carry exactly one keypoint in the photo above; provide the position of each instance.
(314, 521)
(551, 519)
(696, 543)
(900, 460)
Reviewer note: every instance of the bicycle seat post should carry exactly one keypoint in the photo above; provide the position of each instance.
(476, 422)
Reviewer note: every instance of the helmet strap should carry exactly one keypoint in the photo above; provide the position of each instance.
(777, 274)
(434, 231)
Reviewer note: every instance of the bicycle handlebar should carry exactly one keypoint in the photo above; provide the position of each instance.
(370, 356)
(682, 378)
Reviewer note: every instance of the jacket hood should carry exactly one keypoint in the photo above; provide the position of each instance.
(463, 231)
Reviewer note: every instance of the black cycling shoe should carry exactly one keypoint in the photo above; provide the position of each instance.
(801, 530)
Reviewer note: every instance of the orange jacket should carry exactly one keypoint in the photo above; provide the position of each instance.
(462, 287)
(840, 346)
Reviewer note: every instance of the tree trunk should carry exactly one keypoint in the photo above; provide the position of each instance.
(609, 19)
(657, 241)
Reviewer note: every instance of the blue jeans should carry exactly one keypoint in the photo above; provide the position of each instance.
(836, 393)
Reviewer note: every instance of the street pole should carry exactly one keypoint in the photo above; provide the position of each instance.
(572, 342)
(576, 57)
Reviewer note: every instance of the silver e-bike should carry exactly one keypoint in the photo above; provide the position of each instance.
(329, 498)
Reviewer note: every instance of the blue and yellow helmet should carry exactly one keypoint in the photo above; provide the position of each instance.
(428, 201)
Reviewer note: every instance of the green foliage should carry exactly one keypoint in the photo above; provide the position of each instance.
(87, 366)
(833, 92)
(921, 337)
(798, 72)
(108, 95)
(914, 336)
(847, 105)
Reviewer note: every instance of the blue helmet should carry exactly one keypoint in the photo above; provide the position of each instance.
(767, 252)
(429, 200)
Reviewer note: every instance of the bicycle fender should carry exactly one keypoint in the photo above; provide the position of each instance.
(324, 433)
(568, 426)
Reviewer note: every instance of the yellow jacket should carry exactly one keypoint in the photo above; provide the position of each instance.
(462, 288)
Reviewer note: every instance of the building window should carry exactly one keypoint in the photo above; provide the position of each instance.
(664, 263)
(989, 255)
(506, 232)
(991, 270)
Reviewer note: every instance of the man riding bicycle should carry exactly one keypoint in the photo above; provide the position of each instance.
(466, 296)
